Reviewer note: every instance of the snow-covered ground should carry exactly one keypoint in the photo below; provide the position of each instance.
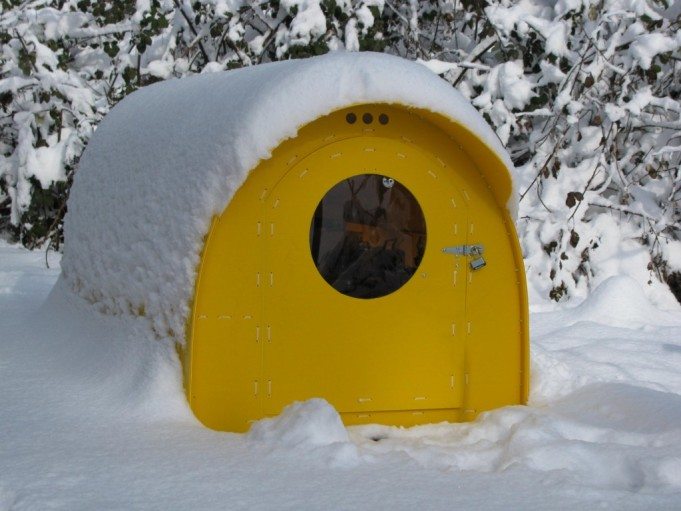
(92, 417)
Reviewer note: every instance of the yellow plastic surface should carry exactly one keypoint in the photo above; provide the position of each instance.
(266, 329)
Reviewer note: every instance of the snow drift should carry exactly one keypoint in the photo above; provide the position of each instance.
(93, 417)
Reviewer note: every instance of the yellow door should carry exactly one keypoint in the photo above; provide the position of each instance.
(370, 357)
(416, 336)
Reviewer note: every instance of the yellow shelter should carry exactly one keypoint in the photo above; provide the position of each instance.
(364, 253)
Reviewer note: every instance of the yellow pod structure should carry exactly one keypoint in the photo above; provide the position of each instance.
(370, 261)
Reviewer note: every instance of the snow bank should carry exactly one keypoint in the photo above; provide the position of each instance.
(93, 417)
(615, 335)
(608, 436)
(620, 302)
(117, 364)
(313, 426)
(172, 155)
(313, 422)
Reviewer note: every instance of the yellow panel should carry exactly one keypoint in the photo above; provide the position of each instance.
(400, 351)
(226, 356)
(267, 329)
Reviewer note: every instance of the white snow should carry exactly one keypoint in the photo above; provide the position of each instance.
(309, 423)
(170, 156)
(647, 46)
(308, 22)
(45, 164)
(93, 416)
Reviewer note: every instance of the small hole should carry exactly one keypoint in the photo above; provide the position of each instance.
(383, 119)
(351, 118)
(368, 118)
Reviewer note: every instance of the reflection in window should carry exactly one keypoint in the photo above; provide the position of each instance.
(368, 236)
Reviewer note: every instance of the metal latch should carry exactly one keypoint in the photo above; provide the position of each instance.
(465, 250)
(469, 250)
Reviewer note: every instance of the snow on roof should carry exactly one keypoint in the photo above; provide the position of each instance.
(170, 156)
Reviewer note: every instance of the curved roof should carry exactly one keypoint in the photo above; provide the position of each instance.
(170, 156)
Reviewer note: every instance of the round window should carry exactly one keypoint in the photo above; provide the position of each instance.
(367, 236)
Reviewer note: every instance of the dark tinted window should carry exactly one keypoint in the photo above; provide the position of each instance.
(368, 236)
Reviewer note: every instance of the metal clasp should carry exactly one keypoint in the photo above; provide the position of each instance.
(474, 251)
